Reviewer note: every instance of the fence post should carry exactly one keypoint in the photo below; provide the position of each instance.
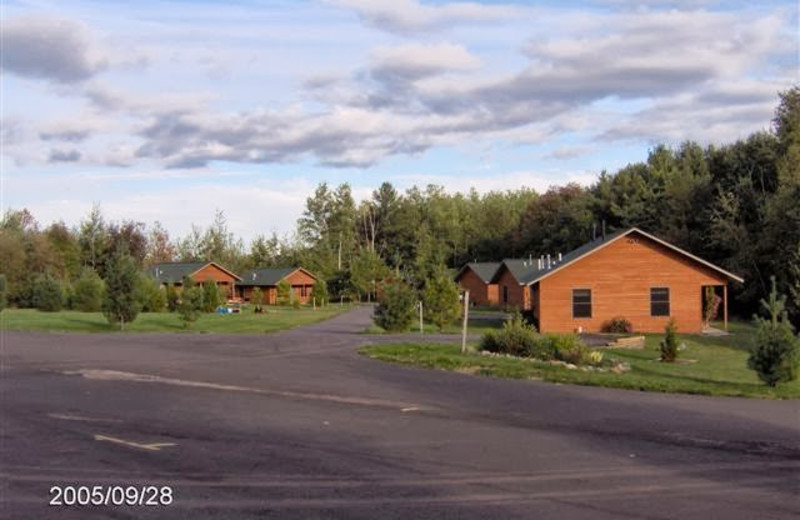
(466, 319)
(421, 325)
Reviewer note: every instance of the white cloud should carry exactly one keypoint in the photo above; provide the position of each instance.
(408, 16)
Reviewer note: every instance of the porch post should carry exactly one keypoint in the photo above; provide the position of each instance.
(725, 302)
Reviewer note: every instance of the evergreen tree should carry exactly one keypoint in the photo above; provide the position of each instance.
(121, 304)
(320, 291)
(395, 310)
(776, 354)
(88, 291)
(440, 300)
(211, 296)
(669, 345)
(257, 298)
(48, 294)
(192, 302)
(284, 293)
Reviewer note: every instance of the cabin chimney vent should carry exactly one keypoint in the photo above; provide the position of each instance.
(559, 258)
(548, 261)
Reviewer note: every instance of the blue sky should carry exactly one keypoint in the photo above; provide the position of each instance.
(167, 111)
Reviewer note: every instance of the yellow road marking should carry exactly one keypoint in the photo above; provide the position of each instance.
(150, 447)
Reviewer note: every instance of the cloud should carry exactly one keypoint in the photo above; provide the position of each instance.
(43, 47)
(64, 156)
(409, 16)
(415, 61)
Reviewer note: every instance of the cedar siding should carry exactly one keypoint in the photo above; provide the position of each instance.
(481, 292)
(173, 273)
(300, 280)
(620, 276)
(510, 291)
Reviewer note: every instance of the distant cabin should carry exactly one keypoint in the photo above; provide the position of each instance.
(477, 278)
(629, 274)
(173, 273)
(300, 279)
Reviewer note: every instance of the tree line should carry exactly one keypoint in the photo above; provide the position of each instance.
(735, 205)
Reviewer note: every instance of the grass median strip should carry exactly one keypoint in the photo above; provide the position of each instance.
(247, 322)
(718, 367)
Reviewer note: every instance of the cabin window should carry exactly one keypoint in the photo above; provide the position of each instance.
(505, 294)
(581, 303)
(659, 301)
(303, 289)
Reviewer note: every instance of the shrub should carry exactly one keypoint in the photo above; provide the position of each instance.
(48, 296)
(395, 311)
(257, 298)
(440, 298)
(669, 345)
(89, 291)
(152, 295)
(617, 325)
(516, 338)
(211, 296)
(776, 354)
(568, 348)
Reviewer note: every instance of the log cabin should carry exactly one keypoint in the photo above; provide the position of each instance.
(629, 274)
(301, 281)
(173, 273)
(477, 278)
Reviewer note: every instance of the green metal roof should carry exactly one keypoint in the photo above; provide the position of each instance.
(484, 270)
(267, 277)
(175, 272)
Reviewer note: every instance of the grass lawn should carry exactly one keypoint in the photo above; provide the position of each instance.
(479, 322)
(246, 322)
(718, 367)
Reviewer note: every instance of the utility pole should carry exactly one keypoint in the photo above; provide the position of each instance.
(466, 319)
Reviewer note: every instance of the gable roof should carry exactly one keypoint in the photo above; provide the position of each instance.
(527, 274)
(266, 277)
(484, 270)
(175, 272)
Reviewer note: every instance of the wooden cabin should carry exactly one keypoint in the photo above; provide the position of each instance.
(629, 274)
(477, 278)
(300, 280)
(173, 273)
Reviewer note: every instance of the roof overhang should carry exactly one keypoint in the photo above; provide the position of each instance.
(697, 259)
(218, 267)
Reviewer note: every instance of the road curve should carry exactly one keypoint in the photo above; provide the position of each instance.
(297, 425)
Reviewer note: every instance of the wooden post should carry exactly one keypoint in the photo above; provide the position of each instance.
(314, 303)
(725, 303)
(421, 326)
(466, 319)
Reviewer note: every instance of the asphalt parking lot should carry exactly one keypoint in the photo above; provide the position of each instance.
(298, 425)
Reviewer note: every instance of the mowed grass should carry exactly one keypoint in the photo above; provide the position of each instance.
(479, 322)
(246, 322)
(708, 366)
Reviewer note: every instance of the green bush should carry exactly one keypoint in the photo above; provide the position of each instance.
(48, 296)
(516, 338)
(89, 290)
(569, 349)
(396, 308)
(617, 325)
(152, 295)
(669, 345)
(776, 354)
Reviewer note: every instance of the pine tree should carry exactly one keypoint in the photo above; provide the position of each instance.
(776, 354)
(284, 293)
(440, 299)
(191, 304)
(48, 295)
(395, 310)
(211, 296)
(121, 304)
(88, 291)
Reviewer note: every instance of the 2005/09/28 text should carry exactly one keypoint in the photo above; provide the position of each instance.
(111, 495)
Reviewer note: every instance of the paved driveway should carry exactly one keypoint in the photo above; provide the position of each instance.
(297, 425)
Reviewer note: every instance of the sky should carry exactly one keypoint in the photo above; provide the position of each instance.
(168, 110)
